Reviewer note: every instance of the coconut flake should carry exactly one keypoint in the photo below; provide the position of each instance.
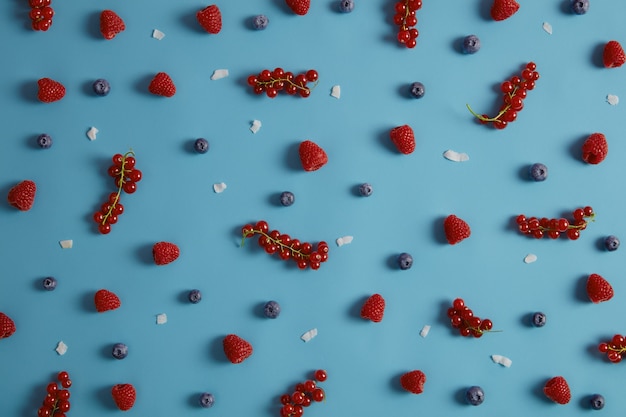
(66, 244)
(612, 99)
(219, 73)
(344, 240)
(219, 187)
(61, 348)
(425, 330)
(455, 156)
(547, 27)
(530, 258)
(161, 318)
(502, 360)
(92, 132)
(256, 126)
(335, 91)
(309, 335)
(157, 34)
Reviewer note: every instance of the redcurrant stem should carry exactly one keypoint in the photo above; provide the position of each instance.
(301, 87)
(496, 117)
(406, 14)
(119, 186)
(277, 242)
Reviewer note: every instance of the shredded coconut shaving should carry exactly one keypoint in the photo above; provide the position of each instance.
(455, 156)
(161, 318)
(547, 27)
(530, 258)
(335, 91)
(66, 244)
(309, 335)
(157, 34)
(92, 132)
(613, 100)
(256, 126)
(501, 360)
(219, 187)
(425, 330)
(61, 348)
(344, 240)
(219, 73)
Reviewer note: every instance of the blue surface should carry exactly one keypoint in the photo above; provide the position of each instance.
(172, 363)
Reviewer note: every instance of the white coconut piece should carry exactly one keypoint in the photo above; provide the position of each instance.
(612, 99)
(92, 132)
(219, 187)
(66, 244)
(161, 318)
(502, 360)
(219, 74)
(335, 91)
(309, 335)
(256, 126)
(344, 240)
(530, 258)
(425, 330)
(61, 348)
(455, 156)
(157, 34)
(547, 27)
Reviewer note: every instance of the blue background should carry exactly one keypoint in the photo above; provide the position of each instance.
(172, 363)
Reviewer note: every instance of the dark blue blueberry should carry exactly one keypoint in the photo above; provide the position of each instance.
(475, 395)
(417, 90)
(580, 6)
(271, 309)
(101, 87)
(201, 145)
(539, 319)
(49, 283)
(596, 401)
(405, 261)
(260, 22)
(346, 6)
(538, 172)
(194, 296)
(207, 400)
(44, 141)
(366, 190)
(611, 243)
(119, 351)
(287, 198)
(471, 44)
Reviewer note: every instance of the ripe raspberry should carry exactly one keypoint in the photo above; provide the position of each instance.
(557, 390)
(165, 253)
(7, 326)
(456, 229)
(413, 381)
(503, 9)
(236, 349)
(599, 289)
(110, 24)
(22, 195)
(613, 55)
(595, 149)
(124, 396)
(300, 7)
(162, 85)
(312, 156)
(403, 138)
(106, 300)
(50, 90)
(374, 308)
(210, 18)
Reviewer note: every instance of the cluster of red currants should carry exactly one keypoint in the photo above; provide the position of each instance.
(514, 92)
(273, 82)
(286, 247)
(614, 349)
(553, 228)
(463, 318)
(126, 177)
(406, 21)
(304, 395)
(40, 14)
(57, 401)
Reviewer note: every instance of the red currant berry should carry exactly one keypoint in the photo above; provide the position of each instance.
(98, 217)
(297, 397)
(117, 159)
(129, 187)
(285, 399)
(135, 175)
(318, 395)
(304, 92)
(52, 388)
(500, 124)
(265, 75)
(35, 15)
(486, 325)
(104, 228)
(66, 383)
(320, 375)
(400, 7)
(458, 304)
(306, 401)
(63, 394)
(312, 75)
(309, 385)
(252, 80)
(129, 162)
(262, 226)
(47, 12)
(62, 376)
(588, 211)
(63, 406)
(464, 331)
(49, 401)
(531, 66)
(411, 43)
(537, 233)
(573, 234)
(259, 89)
(506, 87)
(298, 410)
(271, 92)
(603, 347)
(44, 412)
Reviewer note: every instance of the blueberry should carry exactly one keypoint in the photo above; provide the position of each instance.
(596, 401)
(49, 283)
(417, 90)
(611, 243)
(194, 296)
(346, 6)
(475, 395)
(471, 44)
(580, 6)
(201, 145)
(366, 190)
(538, 172)
(207, 400)
(44, 141)
(405, 261)
(101, 87)
(539, 319)
(119, 351)
(260, 22)
(271, 309)
(287, 198)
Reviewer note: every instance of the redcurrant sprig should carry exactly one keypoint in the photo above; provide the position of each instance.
(514, 92)
(304, 394)
(553, 228)
(614, 349)
(463, 318)
(56, 403)
(406, 21)
(273, 82)
(40, 14)
(286, 247)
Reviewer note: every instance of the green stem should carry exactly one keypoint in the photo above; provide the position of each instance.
(277, 242)
(119, 187)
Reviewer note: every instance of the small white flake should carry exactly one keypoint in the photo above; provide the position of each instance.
(502, 360)
(455, 156)
(530, 258)
(66, 244)
(61, 348)
(613, 100)
(92, 132)
(219, 187)
(219, 73)
(256, 126)
(425, 330)
(344, 240)
(309, 335)
(157, 34)
(547, 27)
(335, 91)
(161, 318)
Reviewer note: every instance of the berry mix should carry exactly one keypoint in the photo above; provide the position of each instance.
(452, 229)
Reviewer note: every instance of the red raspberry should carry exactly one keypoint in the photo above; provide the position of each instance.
(595, 149)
